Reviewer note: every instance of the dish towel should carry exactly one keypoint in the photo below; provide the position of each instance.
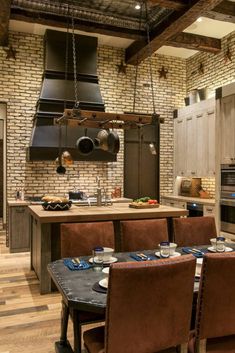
(198, 255)
(74, 267)
(137, 258)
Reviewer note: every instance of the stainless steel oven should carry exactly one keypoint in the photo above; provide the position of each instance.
(228, 181)
(227, 215)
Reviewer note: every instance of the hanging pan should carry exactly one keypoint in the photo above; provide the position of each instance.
(101, 140)
(85, 145)
(113, 142)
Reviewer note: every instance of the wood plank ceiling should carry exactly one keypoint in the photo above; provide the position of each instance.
(166, 20)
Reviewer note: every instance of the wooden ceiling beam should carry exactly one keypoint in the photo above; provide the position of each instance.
(4, 21)
(175, 23)
(169, 4)
(222, 12)
(195, 42)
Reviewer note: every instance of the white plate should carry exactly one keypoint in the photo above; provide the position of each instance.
(112, 260)
(106, 270)
(104, 283)
(227, 249)
(176, 254)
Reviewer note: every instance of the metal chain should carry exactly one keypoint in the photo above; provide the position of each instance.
(74, 63)
(66, 72)
(136, 67)
(150, 55)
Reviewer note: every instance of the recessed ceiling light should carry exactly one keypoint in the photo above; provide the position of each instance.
(199, 19)
(137, 6)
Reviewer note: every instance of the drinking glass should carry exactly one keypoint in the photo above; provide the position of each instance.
(165, 249)
(98, 258)
(220, 246)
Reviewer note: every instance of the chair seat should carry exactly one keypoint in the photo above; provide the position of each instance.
(87, 317)
(94, 341)
(224, 344)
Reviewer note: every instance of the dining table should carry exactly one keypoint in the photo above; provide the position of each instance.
(80, 289)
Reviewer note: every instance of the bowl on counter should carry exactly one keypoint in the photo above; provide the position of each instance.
(56, 206)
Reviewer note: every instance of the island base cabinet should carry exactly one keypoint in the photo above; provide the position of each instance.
(18, 229)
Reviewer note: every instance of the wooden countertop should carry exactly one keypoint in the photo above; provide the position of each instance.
(190, 199)
(94, 213)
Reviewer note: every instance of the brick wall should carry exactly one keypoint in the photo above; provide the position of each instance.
(20, 82)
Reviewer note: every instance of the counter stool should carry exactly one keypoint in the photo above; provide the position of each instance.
(143, 234)
(78, 239)
(193, 231)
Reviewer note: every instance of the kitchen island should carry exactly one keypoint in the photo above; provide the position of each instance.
(45, 229)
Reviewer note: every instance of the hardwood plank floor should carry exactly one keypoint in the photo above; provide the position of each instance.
(29, 322)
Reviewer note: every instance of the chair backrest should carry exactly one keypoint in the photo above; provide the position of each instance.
(78, 239)
(194, 230)
(149, 305)
(216, 304)
(143, 234)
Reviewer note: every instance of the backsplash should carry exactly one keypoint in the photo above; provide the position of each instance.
(208, 184)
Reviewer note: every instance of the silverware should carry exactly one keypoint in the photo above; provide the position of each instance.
(143, 256)
(196, 251)
(76, 261)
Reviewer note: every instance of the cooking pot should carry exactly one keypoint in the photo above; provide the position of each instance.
(85, 145)
(101, 140)
(113, 142)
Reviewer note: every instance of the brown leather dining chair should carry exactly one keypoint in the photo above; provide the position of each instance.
(215, 319)
(78, 239)
(143, 234)
(145, 312)
(193, 231)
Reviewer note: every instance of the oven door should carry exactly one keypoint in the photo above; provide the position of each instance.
(227, 216)
(228, 179)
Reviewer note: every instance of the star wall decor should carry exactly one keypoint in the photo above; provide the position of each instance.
(163, 72)
(122, 68)
(11, 53)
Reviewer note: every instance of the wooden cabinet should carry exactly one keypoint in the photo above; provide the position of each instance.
(194, 140)
(227, 129)
(208, 210)
(174, 203)
(18, 228)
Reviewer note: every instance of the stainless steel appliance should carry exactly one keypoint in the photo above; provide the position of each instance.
(227, 199)
(195, 209)
(228, 181)
(227, 215)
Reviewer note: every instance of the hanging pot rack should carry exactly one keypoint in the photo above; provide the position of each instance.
(97, 119)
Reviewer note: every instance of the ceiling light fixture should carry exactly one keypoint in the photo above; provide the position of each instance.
(137, 7)
(199, 19)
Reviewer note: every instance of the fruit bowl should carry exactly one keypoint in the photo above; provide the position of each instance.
(56, 206)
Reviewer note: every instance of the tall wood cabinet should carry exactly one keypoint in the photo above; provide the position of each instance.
(194, 140)
(227, 129)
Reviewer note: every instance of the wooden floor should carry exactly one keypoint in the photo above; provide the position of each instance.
(29, 322)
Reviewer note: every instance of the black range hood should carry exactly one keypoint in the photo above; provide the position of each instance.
(57, 93)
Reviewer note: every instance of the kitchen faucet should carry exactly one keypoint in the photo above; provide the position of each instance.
(99, 195)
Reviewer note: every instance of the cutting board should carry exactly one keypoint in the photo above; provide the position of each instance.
(147, 205)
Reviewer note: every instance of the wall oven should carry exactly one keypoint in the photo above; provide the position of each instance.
(227, 200)
(228, 181)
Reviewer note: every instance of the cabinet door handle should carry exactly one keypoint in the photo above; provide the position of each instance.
(193, 173)
(209, 209)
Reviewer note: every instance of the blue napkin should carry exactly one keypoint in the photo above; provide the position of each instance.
(198, 255)
(72, 266)
(137, 258)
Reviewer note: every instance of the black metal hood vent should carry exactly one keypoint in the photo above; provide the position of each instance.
(57, 93)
